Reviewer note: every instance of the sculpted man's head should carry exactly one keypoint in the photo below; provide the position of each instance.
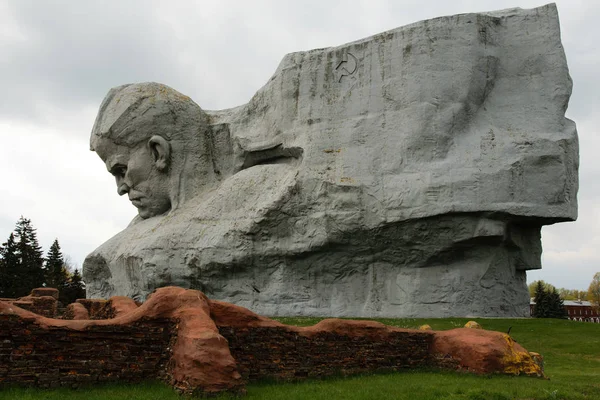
(154, 141)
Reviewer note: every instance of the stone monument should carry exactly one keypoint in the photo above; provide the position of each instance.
(406, 174)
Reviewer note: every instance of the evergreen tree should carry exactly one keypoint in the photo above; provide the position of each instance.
(31, 269)
(533, 285)
(556, 305)
(74, 289)
(56, 273)
(9, 267)
(548, 303)
(540, 299)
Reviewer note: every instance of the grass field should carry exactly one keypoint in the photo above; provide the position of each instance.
(571, 353)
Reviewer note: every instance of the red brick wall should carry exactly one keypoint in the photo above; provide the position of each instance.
(45, 306)
(272, 352)
(36, 351)
(97, 308)
(42, 301)
(577, 313)
(583, 312)
(33, 356)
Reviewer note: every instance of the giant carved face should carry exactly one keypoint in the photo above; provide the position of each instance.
(140, 172)
(153, 141)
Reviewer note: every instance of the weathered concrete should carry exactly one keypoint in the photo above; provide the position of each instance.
(405, 174)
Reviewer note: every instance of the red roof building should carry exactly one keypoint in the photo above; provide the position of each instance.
(577, 310)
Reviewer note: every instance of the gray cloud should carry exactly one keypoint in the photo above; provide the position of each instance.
(70, 53)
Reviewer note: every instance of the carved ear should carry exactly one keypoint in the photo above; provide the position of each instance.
(161, 151)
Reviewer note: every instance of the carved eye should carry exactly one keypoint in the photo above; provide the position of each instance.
(118, 171)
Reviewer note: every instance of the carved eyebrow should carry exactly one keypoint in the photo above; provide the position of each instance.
(117, 169)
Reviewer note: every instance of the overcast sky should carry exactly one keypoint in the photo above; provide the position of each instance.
(59, 58)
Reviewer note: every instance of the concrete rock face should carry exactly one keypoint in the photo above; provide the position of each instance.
(406, 174)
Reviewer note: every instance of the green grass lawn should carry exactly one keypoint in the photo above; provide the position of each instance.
(571, 353)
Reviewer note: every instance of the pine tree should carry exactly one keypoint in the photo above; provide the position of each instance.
(74, 289)
(31, 269)
(56, 273)
(548, 303)
(541, 302)
(556, 305)
(9, 267)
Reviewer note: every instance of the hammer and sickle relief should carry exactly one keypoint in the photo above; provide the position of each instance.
(347, 66)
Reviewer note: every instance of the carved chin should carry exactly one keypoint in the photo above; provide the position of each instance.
(143, 213)
(147, 212)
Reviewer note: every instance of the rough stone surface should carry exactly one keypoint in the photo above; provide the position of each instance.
(405, 174)
(480, 351)
(204, 347)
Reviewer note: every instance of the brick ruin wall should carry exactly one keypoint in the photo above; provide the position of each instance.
(45, 306)
(31, 355)
(42, 301)
(34, 356)
(177, 336)
(276, 353)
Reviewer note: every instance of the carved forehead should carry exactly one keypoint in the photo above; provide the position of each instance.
(111, 153)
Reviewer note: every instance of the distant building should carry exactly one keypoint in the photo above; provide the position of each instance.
(577, 310)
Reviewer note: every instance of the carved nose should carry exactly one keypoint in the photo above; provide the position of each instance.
(122, 189)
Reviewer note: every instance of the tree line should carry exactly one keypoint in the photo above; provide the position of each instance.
(570, 294)
(549, 301)
(23, 266)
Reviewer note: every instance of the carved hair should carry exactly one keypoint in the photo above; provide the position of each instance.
(130, 114)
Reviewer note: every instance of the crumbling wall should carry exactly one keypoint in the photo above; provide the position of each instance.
(275, 352)
(203, 346)
(42, 301)
(33, 355)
